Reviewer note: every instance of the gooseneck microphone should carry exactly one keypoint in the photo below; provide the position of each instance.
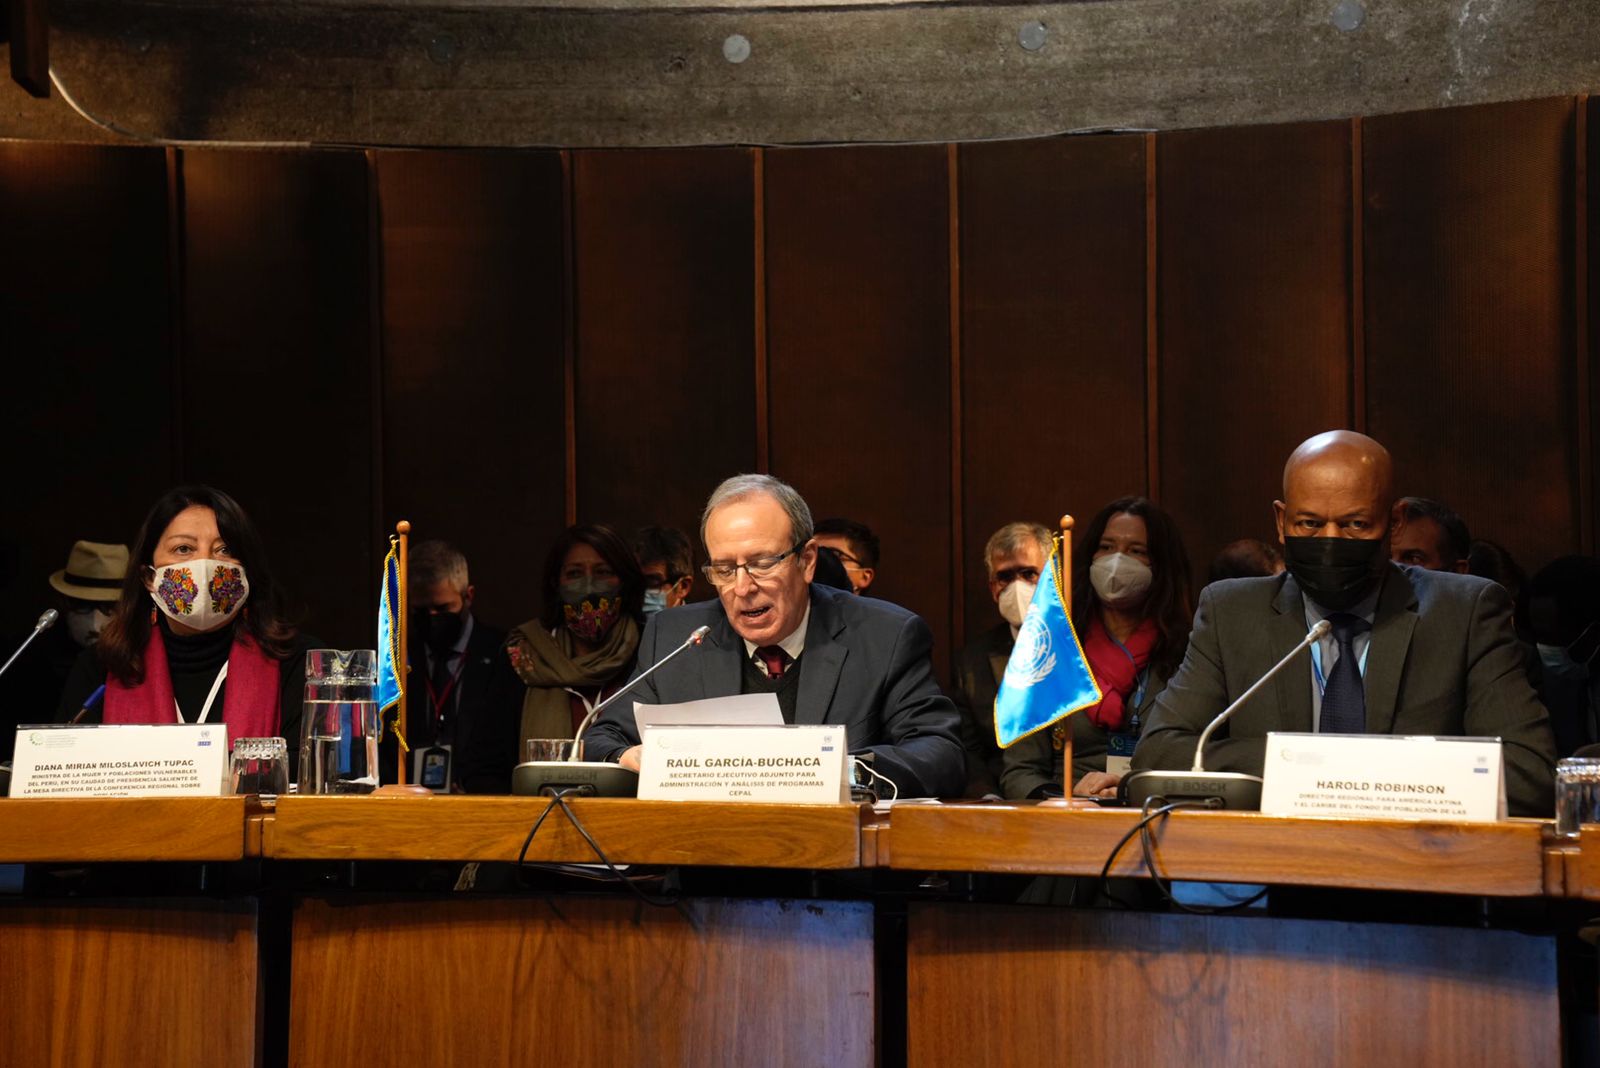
(46, 621)
(595, 777)
(594, 713)
(1231, 789)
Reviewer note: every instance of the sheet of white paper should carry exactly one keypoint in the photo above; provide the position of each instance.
(739, 710)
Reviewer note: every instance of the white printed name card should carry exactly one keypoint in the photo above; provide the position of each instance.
(165, 760)
(793, 765)
(1380, 776)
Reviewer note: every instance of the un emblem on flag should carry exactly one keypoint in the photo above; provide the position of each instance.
(1032, 658)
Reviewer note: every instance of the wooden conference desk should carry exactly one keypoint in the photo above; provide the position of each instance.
(601, 979)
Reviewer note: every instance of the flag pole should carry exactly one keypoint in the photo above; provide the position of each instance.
(1064, 569)
(403, 528)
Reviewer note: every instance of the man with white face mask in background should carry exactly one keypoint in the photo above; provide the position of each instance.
(1014, 559)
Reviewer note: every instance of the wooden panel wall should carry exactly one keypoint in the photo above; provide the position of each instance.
(858, 336)
(125, 984)
(582, 981)
(474, 302)
(1227, 990)
(89, 424)
(665, 332)
(1253, 238)
(277, 380)
(1053, 341)
(1471, 311)
(931, 340)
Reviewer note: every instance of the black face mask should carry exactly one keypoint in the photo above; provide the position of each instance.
(1335, 572)
(440, 630)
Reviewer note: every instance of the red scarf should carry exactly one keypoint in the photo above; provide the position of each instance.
(249, 703)
(1116, 668)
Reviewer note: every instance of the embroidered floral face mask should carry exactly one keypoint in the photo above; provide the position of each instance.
(202, 594)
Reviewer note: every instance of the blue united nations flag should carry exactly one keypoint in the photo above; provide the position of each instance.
(1047, 678)
(390, 655)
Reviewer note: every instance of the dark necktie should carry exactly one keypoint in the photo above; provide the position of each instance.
(1344, 699)
(775, 659)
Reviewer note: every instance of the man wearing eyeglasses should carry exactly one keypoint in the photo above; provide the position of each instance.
(828, 656)
(855, 545)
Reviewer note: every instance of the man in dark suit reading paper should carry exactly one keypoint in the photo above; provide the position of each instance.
(827, 656)
(1410, 652)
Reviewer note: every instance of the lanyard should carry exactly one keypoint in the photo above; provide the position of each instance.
(438, 700)
(1316, 665)
(211, 697)
(1141, 680)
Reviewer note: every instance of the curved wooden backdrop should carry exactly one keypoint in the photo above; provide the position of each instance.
(932, 339)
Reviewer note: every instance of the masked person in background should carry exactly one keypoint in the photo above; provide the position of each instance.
(86, 589)
(1013, 558)
(465, 702)
(1409, 651)
(666, 560)
(198, 633)
(581, 649)
(1131, 608)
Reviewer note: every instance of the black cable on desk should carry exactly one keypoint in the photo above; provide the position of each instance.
(558, 799)
(1147, 847)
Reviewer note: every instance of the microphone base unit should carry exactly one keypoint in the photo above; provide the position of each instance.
(588, 777)
(1231, 790)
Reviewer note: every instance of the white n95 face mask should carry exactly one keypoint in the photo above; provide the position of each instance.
(1014, 601)
(1120, 579)
(202, 594)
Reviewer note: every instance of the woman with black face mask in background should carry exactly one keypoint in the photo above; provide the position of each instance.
(581, 649)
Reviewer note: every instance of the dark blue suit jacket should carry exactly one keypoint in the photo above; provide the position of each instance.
(865, 666)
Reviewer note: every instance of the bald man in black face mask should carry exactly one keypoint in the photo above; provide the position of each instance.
(1410, 651)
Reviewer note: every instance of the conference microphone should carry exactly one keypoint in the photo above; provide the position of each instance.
(599, 778)
(46, 621)
(1231, 789)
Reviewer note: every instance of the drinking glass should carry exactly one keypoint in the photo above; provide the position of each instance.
(1577, 794)
(552, 748)
(260, 766)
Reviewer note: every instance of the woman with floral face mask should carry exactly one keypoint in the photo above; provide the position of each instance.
(1132, 611)
(198, 634)
(581, 648)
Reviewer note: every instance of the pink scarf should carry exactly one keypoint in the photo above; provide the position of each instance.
(249, 703)
(1116, 671)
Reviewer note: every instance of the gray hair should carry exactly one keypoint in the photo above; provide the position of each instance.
(433, 562)
(740, 487)
(1009, 539)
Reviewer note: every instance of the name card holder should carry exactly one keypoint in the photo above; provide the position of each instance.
(160, 760)
(789, 764)
(1381, 776)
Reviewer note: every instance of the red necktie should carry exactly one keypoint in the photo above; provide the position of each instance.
(775, 659)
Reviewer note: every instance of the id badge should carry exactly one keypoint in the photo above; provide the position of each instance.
(1119, 752)
(430, 767)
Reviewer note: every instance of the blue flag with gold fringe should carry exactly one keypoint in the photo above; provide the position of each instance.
(390, 685)
(1047, 677)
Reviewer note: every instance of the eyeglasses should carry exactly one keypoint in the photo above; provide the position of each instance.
(720, 573)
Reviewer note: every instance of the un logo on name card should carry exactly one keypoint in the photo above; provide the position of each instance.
(1033, 658)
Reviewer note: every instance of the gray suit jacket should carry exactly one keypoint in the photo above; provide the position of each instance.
(865, 666)
(1443, 661)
